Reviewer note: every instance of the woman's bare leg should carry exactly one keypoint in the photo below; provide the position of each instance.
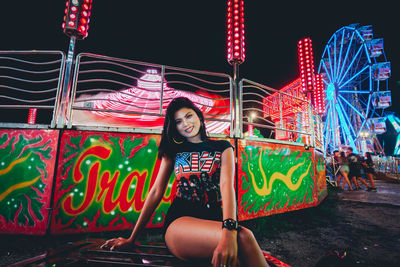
(190, 238)
(338, 179)
(363, 181)
(355, 182)
(371, 179)
(346, 179)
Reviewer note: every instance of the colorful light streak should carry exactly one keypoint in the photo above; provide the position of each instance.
(139, 107)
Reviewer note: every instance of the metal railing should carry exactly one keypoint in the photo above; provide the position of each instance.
(30, 80)
(114, 92)
(277, 115)
(387, 164)
(127, 95)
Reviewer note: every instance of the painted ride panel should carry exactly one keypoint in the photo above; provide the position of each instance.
(276, 178)
(103, 178)
(27, 160)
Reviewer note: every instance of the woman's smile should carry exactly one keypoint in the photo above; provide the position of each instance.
(189, 130)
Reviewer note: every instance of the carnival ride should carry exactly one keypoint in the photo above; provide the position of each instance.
(88, 165)
(355, 73)
(395, 121)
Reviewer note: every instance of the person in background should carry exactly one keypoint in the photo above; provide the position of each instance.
(369, 170)
(336, 166)
(355, 164)
(344, 171)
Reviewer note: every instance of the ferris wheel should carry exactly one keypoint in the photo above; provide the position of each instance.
(355, 72)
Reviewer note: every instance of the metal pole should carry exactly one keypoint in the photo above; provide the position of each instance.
(310, 110)
(62, 112)
(237, 109)
(162, 88)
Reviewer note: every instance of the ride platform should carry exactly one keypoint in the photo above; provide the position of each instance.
(88, 253)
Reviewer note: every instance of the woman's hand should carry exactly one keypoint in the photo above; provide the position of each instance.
(117, 244)
(225, 254)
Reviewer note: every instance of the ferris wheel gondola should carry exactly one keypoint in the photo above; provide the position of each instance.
(355, 72)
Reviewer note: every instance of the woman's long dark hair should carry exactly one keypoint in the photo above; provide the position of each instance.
(170, 138)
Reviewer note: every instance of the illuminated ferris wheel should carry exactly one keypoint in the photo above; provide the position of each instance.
(355, 72)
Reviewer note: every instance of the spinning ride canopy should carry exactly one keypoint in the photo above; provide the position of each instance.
(137, 106)
(354, 67)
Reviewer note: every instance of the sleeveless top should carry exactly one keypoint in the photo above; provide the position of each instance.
(197, 171)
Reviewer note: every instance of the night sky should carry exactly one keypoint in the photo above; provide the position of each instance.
(191, 34)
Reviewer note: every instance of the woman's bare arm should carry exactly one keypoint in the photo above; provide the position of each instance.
(152, 201)
(226, 250)
(154, 197)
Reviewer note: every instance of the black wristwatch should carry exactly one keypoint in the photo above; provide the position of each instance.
(230, 224)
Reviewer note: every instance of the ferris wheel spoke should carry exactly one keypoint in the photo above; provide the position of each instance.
(345, 131)
(330, 66)
(354, 76)
(326, 130)
(334, 56)
(362, 127)
(351, 106)
(346, 116)
(340, 53)
(346, 126)
(347, 54)
(328, 106)
(368, 108)
(327, 73)
(354, 92)
(366, 52)
(351, 64)
(326, 82)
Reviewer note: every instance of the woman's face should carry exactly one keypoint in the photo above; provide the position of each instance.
(188, 124)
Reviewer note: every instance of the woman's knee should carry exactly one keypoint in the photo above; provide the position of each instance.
(245, 236)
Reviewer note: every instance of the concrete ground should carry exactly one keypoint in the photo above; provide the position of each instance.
(387, 193)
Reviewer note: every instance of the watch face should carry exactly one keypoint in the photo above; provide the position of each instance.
(229, 224)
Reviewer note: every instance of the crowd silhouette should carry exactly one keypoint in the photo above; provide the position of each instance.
(351, 170)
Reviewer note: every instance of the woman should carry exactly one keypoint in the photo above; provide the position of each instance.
(344, 170)
(196, 227)
(368, 165)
